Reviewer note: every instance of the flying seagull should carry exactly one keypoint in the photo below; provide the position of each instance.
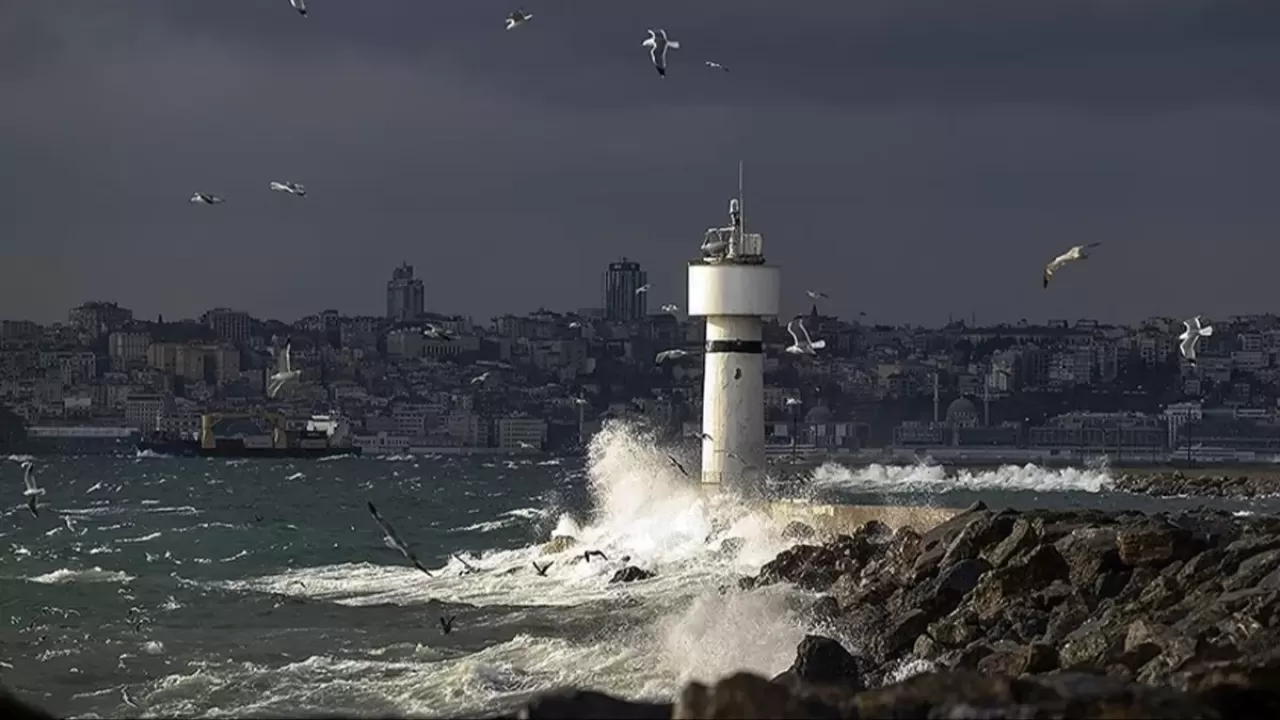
(518, 18)
(394, 542)
(1077, 252)
(205, 199)
(284, 373)
(542, 569)
(792, 402)
(674, 354)
(658, 45)
(805, 346)
(642, 289)
(679, 467)
(466, 566)
(715, 65)
(435, 331)
(479, 379)
(446, 624)
(587, 555)
(1195, 329)
(32, 492)
(707, 436)
(670, 308)
(816, 294)
(300, 6)
(289, 187)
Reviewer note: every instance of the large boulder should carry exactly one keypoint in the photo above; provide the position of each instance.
(823, 661)
(557, 544)
(745, 695)
(631, 573)
(586, 705)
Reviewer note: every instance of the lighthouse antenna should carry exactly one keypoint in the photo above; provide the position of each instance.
(742, 204)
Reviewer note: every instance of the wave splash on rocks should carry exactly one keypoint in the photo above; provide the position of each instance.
(1007, 614)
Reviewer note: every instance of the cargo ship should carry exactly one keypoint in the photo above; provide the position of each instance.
(323, 436)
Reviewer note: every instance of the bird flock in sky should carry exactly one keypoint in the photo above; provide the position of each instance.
(659, 43)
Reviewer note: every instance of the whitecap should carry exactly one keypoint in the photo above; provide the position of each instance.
(95, 574)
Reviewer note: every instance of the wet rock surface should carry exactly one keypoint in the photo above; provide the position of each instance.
(1244, 483)
(630, 573)
(1042, 614)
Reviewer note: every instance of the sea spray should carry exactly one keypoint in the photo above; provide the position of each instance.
(908, 479)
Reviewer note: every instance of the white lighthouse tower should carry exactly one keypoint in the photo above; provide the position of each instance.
(734, 290)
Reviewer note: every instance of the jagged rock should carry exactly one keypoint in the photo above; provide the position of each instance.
(903, 631)
(1089, 552)
(747, 696)
(823, 661)
(1154, 543)
(1022, 536)
(1133, 596)
(631, 573)
(730, 547)
(796, 530)
(1017, 581)
(824, 608)
(1177, 483)
(812, 567)
(962, 577)
(557, 544)
(1020, 660)
(587, 705)
(877, 530)
(1245, 688)
(974, 695)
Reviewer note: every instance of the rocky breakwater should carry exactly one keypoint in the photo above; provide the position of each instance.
(1245, 483)
(1017, 615)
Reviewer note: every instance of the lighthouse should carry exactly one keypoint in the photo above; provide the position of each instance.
(731, 286)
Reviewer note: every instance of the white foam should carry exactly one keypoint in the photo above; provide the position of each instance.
(905, 479)
(95, 574)
(722, 634)
(679, 626)
(506, 519)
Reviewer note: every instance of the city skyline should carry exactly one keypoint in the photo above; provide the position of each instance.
(912, 160)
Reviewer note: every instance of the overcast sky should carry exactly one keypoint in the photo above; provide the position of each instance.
(912, 158)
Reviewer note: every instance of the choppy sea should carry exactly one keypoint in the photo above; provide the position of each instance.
(166, 587)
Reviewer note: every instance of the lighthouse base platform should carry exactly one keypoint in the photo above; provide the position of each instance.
(829, 519)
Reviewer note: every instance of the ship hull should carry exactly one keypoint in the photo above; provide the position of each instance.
(194, 449)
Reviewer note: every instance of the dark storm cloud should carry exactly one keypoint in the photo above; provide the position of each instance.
(913, 158)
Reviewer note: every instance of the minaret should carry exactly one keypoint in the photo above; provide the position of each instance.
(734, 290)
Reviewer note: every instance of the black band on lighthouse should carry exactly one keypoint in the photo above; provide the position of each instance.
(745, 347)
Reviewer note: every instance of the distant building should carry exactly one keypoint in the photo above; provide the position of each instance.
(229, 325)
(99, 318)
(518, 432)
(621, 301)
(128, 350)
(406, 295)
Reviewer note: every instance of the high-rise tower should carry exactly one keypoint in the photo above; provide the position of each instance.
(731, 287)
(622, 300)
(406, 296)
